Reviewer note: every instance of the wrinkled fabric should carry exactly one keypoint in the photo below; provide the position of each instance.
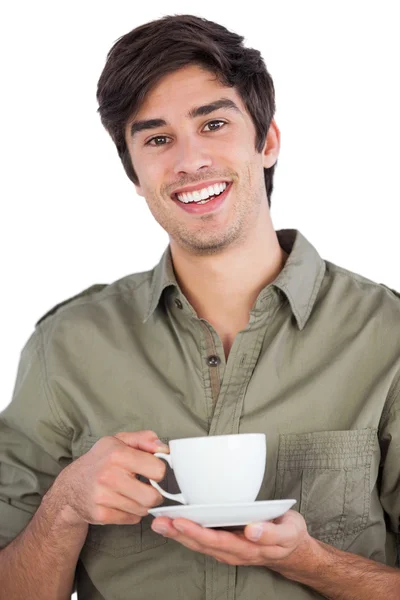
(317, 369)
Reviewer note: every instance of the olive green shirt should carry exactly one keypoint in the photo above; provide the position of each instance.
(317, 369)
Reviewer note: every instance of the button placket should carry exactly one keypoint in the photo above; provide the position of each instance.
(213, 363)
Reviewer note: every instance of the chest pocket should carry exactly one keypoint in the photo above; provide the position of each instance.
(329, 474)
(122, 540)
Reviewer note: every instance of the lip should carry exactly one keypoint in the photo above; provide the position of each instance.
(213, 205)
(198, 186)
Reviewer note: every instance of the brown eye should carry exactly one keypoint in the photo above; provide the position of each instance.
(213, 122)
(157, 137)
(164, 137)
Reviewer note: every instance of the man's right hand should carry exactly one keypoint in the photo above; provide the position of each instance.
(101, 486)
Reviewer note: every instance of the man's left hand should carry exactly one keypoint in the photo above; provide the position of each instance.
(278, 546)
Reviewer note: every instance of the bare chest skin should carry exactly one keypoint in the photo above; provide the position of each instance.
(227, 344)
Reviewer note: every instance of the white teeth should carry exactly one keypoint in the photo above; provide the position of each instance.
(199, 196)
(202, 202)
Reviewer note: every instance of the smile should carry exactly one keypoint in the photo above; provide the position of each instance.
(210, 205)
(202, 196)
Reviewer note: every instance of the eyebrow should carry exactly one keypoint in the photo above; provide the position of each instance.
(197, 111)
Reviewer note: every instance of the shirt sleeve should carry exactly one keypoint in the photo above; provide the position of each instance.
(390, 462)
(34, 444)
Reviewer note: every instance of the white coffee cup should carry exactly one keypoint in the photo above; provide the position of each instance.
(219, 469)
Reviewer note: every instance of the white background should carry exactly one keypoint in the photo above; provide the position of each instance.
(70, 217)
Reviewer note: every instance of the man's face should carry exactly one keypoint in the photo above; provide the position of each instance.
(206, 148)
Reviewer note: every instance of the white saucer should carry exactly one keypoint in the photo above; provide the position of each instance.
(225, 515)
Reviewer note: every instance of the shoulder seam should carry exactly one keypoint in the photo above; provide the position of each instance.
(357, 278)
(98, 287)
(66, 303)
(354, 276)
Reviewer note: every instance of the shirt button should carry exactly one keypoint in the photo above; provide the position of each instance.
(213, 361)
(178, 303)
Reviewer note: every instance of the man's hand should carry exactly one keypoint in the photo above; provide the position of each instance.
(101, 487)
(278, 547)
(286, 547)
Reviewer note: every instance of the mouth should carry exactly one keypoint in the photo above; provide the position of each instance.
(204, 206)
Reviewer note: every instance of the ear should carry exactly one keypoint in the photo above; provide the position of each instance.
(272, 145)
(139, 190)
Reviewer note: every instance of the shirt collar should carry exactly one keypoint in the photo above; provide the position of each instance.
(302, 275)
(163, 276)
(299, 280)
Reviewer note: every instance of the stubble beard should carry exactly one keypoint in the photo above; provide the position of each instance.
(201, 241)
(205, 242)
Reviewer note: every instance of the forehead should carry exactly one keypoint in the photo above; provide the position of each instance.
(177, 92)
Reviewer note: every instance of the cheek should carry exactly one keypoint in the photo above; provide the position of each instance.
(144, 169)
(240, 155)
(154, 199)
(149, 180)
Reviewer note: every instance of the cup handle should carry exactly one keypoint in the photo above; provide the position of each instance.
(177, 497)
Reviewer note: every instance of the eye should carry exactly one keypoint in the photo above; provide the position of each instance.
(216, 121)
(164, 137)
(157, 137)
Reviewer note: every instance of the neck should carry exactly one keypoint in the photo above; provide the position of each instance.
(223, 288)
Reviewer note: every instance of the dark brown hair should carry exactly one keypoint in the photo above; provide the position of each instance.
(140, 58)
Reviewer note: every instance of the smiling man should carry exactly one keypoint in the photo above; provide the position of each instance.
(221, 238)
(238, 329)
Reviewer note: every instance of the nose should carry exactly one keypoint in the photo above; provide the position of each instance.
(191, 155)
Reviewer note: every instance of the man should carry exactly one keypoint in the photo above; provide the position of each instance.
(238, 329)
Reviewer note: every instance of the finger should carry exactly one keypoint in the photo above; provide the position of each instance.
(133, 489)
(113, 516)
(242, 552)
(272, 534)
(283, 530)
(213, 539)
(164, 526)
(138, 462)
(114, 500)
(146, 440)
(288, 517)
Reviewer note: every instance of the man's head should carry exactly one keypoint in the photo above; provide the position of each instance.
(167, 69)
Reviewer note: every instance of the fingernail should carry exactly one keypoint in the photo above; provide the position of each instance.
(160, 529)
(161, 444)
(255, 532)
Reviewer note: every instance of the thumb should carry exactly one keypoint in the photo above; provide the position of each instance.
(142, 440)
